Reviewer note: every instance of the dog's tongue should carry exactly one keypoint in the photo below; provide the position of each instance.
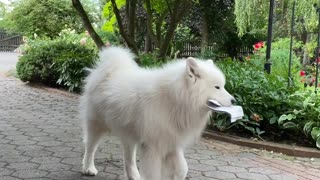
(214, 103)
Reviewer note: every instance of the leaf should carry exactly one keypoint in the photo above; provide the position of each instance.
(285, 117)
(273, 120)
(288, 125)
(308, 127)
(318, 142)
(315, 133)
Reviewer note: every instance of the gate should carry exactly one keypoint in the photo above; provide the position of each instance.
(9, 41)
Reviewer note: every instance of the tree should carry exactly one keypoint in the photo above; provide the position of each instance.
(251, 16)
(162, 19)
(87, 24)
(43, 17)
(174, 11)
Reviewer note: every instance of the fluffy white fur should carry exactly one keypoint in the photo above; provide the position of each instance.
(159, 111)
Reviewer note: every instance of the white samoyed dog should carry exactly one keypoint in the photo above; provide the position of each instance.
(158, 111)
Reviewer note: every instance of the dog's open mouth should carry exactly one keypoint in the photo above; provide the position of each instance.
(213, 103)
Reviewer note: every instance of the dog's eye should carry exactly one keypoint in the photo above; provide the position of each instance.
(217, 87)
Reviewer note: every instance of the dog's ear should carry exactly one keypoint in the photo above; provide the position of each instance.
(193, 70)
(210, 62)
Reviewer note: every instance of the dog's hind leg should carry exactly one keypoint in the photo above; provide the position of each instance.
(130, 166)
(93, 134)
(176, 164)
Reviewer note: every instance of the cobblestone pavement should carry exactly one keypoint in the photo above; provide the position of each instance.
(40, 138)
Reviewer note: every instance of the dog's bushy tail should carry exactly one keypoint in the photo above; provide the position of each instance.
(112, 59)
(116, 57)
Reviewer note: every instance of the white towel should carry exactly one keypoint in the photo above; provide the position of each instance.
(236, 112)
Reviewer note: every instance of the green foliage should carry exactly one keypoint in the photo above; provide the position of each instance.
(149, 60)
(269, 106)
(263, 97)
(280, 59)
(303, 115)
(42, 17)
(110, 24)
(59, 62)
(252, 15)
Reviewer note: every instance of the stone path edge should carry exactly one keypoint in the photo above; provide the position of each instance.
(269, 146)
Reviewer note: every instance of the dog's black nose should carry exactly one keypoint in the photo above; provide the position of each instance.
(233, 101)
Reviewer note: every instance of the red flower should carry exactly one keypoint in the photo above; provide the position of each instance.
(302, 73)
(256, 117)
(259, 45)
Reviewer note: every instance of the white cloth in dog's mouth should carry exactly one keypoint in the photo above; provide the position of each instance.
(235, 112)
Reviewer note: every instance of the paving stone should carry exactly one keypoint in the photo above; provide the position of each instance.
(14, 159)
(50, 167)
(232, 169)
(213, 162)
(266, 171)
(41, 153)
(22, 165)
(67, 154)
(30, 174)
(219, 174)
(252, 176)
(45, 160)
(5, 171)
(202, 167)
(283, 177)
(65, 175)
(8, 178)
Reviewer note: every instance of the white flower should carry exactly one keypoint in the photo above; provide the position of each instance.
(83, 41)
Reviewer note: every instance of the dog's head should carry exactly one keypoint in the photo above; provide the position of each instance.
(208, 80)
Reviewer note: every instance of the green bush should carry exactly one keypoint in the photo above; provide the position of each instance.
(270, 107)
(280, 59)
(149, 60)
(59, 62)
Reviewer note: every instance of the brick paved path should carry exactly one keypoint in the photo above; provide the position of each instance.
(40, 138)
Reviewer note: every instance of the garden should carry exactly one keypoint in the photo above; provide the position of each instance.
(61, 44)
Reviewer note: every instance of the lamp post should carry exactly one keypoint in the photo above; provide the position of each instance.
(267, 65)
(291, 43)
(317, 51)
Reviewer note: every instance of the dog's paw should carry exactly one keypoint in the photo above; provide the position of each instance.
(134, 177)
(92, 171)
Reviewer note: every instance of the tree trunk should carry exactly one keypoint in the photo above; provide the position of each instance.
(132, 19)
(179, 10)
(306, 59)
(87, 24)
(130, 42)
(147, 44)
(204, 33)
(151, 35)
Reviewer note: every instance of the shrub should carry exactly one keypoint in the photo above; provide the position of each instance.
(149, 60)
(58, 62)
(280, 59)
(269, 106)
(263, 97)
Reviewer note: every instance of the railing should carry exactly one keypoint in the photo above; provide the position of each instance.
(193, 48)
(9, 42)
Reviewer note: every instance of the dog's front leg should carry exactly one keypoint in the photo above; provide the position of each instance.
(150, 163)
(176, 164)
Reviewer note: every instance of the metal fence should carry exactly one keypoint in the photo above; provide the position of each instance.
(9, 42)
(193, 48)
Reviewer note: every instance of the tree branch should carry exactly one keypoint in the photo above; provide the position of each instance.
(87, 24)
(149, 23)
(179, 10)
(125, 36)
